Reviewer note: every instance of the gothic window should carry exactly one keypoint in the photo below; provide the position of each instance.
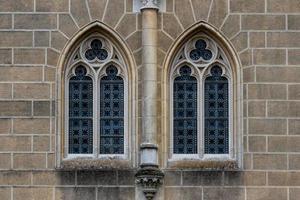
(200, 100)
(97, 118)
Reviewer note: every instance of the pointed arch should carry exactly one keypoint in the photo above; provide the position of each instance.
(130, 70)
(203, 28)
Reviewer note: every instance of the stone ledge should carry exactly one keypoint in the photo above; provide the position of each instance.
(204, 165)
(95, 164)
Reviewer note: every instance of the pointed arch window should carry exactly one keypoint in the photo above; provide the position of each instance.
(201, 89)
(97, 101)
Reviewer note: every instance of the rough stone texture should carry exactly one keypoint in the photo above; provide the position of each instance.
(245, 6)
(79, 11)
(171, 25)
(231, 26)
(201, 8)
(35, 21)
(283, 6)
(67, 25)
(263, 22)
(112, 19)
(29, 56)
(52, 5)
(183, 9)
(218, 12)
(97, 8)
(127, 25)
(17, 6)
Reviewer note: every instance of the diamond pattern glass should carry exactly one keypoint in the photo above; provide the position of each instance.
(216, 113)
(80, 113)
(111, 113)
(185, 113)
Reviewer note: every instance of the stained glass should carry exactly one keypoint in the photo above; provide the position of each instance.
(185, 113)
(216, 113)
(111, 113)
(96, 51)
(80, 113)
(200, 51)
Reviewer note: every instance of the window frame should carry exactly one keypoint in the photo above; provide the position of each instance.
(96, 76)
(201, 76)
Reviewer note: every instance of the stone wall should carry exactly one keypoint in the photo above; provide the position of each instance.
(265, 34)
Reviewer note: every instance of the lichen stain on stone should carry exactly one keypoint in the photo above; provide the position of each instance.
(204, 165)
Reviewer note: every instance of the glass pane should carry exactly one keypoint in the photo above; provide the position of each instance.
(185, 113)
(216, 113)
(80, 113)
(112, 113)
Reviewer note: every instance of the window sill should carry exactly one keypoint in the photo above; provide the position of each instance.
(203, 164)
(95, 164)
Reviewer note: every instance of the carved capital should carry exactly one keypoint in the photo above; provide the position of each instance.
(153, 4)
(149, 179)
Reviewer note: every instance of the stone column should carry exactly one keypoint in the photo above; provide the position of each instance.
(149, 176)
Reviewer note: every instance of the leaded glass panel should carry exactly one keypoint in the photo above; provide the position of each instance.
(111, 113)
(185, 113)
(216, 113)
(80, 113)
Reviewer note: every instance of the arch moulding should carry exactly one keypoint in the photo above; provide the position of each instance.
(130, 65)
(235, 64)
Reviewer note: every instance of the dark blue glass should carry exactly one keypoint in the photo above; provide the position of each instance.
(111, 113)
(80, 113)
(216, 113)
(96, 51)
(185, 113)
(200, 51)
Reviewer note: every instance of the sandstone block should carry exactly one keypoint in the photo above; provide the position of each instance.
(270, 161)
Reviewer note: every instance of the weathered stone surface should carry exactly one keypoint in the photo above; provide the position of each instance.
(35, 21)
(52, 60)
(225, 193)
(294, 126)
(283, 39)
(15, 178)
(257, 108)
(67, 25)
(184, 12)
(231, 26)
(267, 91)
(240, 41)
(5, 90)
(32, 91)
(293, 56)
(263, 22)
(172, 178)
(244, 178)
(294, 162)
(283, 144)
(16, 39)
(52, 5)
(257, 39)
(58, 40)
(41, 108)
(218, 12)
(269, 56)
(80, 12)
(25, 193)
(5, 56)
(5, 162)
(197, 178)
(112, 193)
(29, 56)
(5, 21)
(164, 41)
(5, 126)
(278, 74)
(134, 40)
(284, 178)
(283, 6)
(117, 11)
(53, 178)
(283, 109)
(171, 25)
(15, 108)
(5, 193)
(270, 161)
(246, 57)
(31, 126)
(201, 9)
(41, 143)
(127, 25)
(294, 193)
(84, 193)
(180, 193)
(16, 6)
(29, 161)
(257, 144)
(97, 8)
(267, 126)
(41, 38)
(97, 178)
(21, 73)
(126, 177)
(246, 6)
(15, 143)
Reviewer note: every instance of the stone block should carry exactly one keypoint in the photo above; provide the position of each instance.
(283, 6)
(126, 177)
(283, 109)
(172, 178)
(15, 143)
(29, 56)
(204, 178)
(183, 193)
(52, 5)
(53, 178)
(201, 8)
(29, 161)
(171, 25)
(246, 58)
(294, 193)
(86, 193)
(246, 6)
(5, 162)
(293, 22)
(21, 73)
(117, 11)
(267, 91)
(35, 21)
(135, 41)
(16, 38)
(58, 40)
(267, 194)
(67, 25)
(5, 56)
(112, 193)
(257, 39)
(52, 60)
(224, 193)
(278, 74)
(283, 39)
(16, 6)
(294, 161)
(41, 143)
(284, 178)
(5, 126)
(32, 193)
(31, 91)
(240, 41)
(237, 178)
(41, 108)
(97, 8)
(218, 12)
(15, 108)
(97, 178)
(164, 41)
(267, 126)
(283, 144)
(5, 193)
(31, 126)
(184, 12)
(293, 56)
(41, 39)
(270, 161)
(257, 144)
(127, 25)
(231, 26)
(294, 126)
(5, 90)
(5, 21)
(269, 56)
(15, 178)
(257, 108)
(80, 12)
(263, 22)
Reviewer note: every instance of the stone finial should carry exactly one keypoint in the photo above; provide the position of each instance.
(149, 179)
(150, 4)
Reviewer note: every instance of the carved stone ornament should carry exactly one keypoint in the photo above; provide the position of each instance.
(150, 4)
(149, 179)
